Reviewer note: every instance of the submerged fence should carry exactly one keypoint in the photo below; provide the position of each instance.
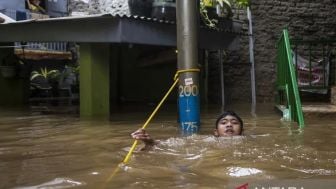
(287, 86)
(46, 46)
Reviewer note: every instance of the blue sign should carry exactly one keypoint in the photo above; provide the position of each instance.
(189, 109)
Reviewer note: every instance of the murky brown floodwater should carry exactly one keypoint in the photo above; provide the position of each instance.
(58, 151)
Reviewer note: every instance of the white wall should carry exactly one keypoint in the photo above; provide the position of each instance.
(87, 7)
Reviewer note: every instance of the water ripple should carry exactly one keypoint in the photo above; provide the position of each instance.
(57, 183)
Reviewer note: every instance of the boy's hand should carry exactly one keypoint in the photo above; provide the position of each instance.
(142, 135)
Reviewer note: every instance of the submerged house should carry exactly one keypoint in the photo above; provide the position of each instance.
(131, 77)
(123, 65)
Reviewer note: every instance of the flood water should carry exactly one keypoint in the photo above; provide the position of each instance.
(63, 151)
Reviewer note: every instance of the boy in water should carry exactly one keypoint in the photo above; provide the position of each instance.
(227, 124)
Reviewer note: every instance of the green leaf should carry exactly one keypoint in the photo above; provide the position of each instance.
(34, 75)
(243, 3)
(45, 73)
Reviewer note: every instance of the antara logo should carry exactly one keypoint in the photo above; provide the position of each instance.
(279, 187)
(244, 186)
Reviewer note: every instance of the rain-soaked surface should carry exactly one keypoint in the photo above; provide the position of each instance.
(62, 151)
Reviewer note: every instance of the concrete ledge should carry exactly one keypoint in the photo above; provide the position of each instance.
(319, 109)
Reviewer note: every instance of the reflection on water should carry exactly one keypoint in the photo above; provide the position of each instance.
(57, 151)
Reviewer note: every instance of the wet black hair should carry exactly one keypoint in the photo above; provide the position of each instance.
(231, 113)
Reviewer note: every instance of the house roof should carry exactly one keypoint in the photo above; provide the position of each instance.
(108, 28)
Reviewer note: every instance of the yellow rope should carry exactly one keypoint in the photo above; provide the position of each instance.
(149, 119)
(157, 108)
(186, 70)
(128, 156)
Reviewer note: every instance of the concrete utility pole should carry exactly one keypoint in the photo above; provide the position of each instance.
(187, 46)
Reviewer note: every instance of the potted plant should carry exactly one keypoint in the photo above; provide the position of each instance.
(69, 79)
(211, 10)
(164, 9)
(46, 79)
(214, 11)
(49, 75)
(140, 7)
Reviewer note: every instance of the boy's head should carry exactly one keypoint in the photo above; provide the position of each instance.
(228, 124)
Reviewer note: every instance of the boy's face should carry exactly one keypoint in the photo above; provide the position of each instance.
(228, 126)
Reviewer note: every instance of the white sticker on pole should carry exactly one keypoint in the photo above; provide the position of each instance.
(188, 81)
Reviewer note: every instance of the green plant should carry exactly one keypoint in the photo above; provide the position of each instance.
(46, 74)
(70, 71)
(223, 5)
(242, 3)
(75, 69)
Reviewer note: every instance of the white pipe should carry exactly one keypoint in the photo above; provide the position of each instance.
(220, 54)
(253, 87)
